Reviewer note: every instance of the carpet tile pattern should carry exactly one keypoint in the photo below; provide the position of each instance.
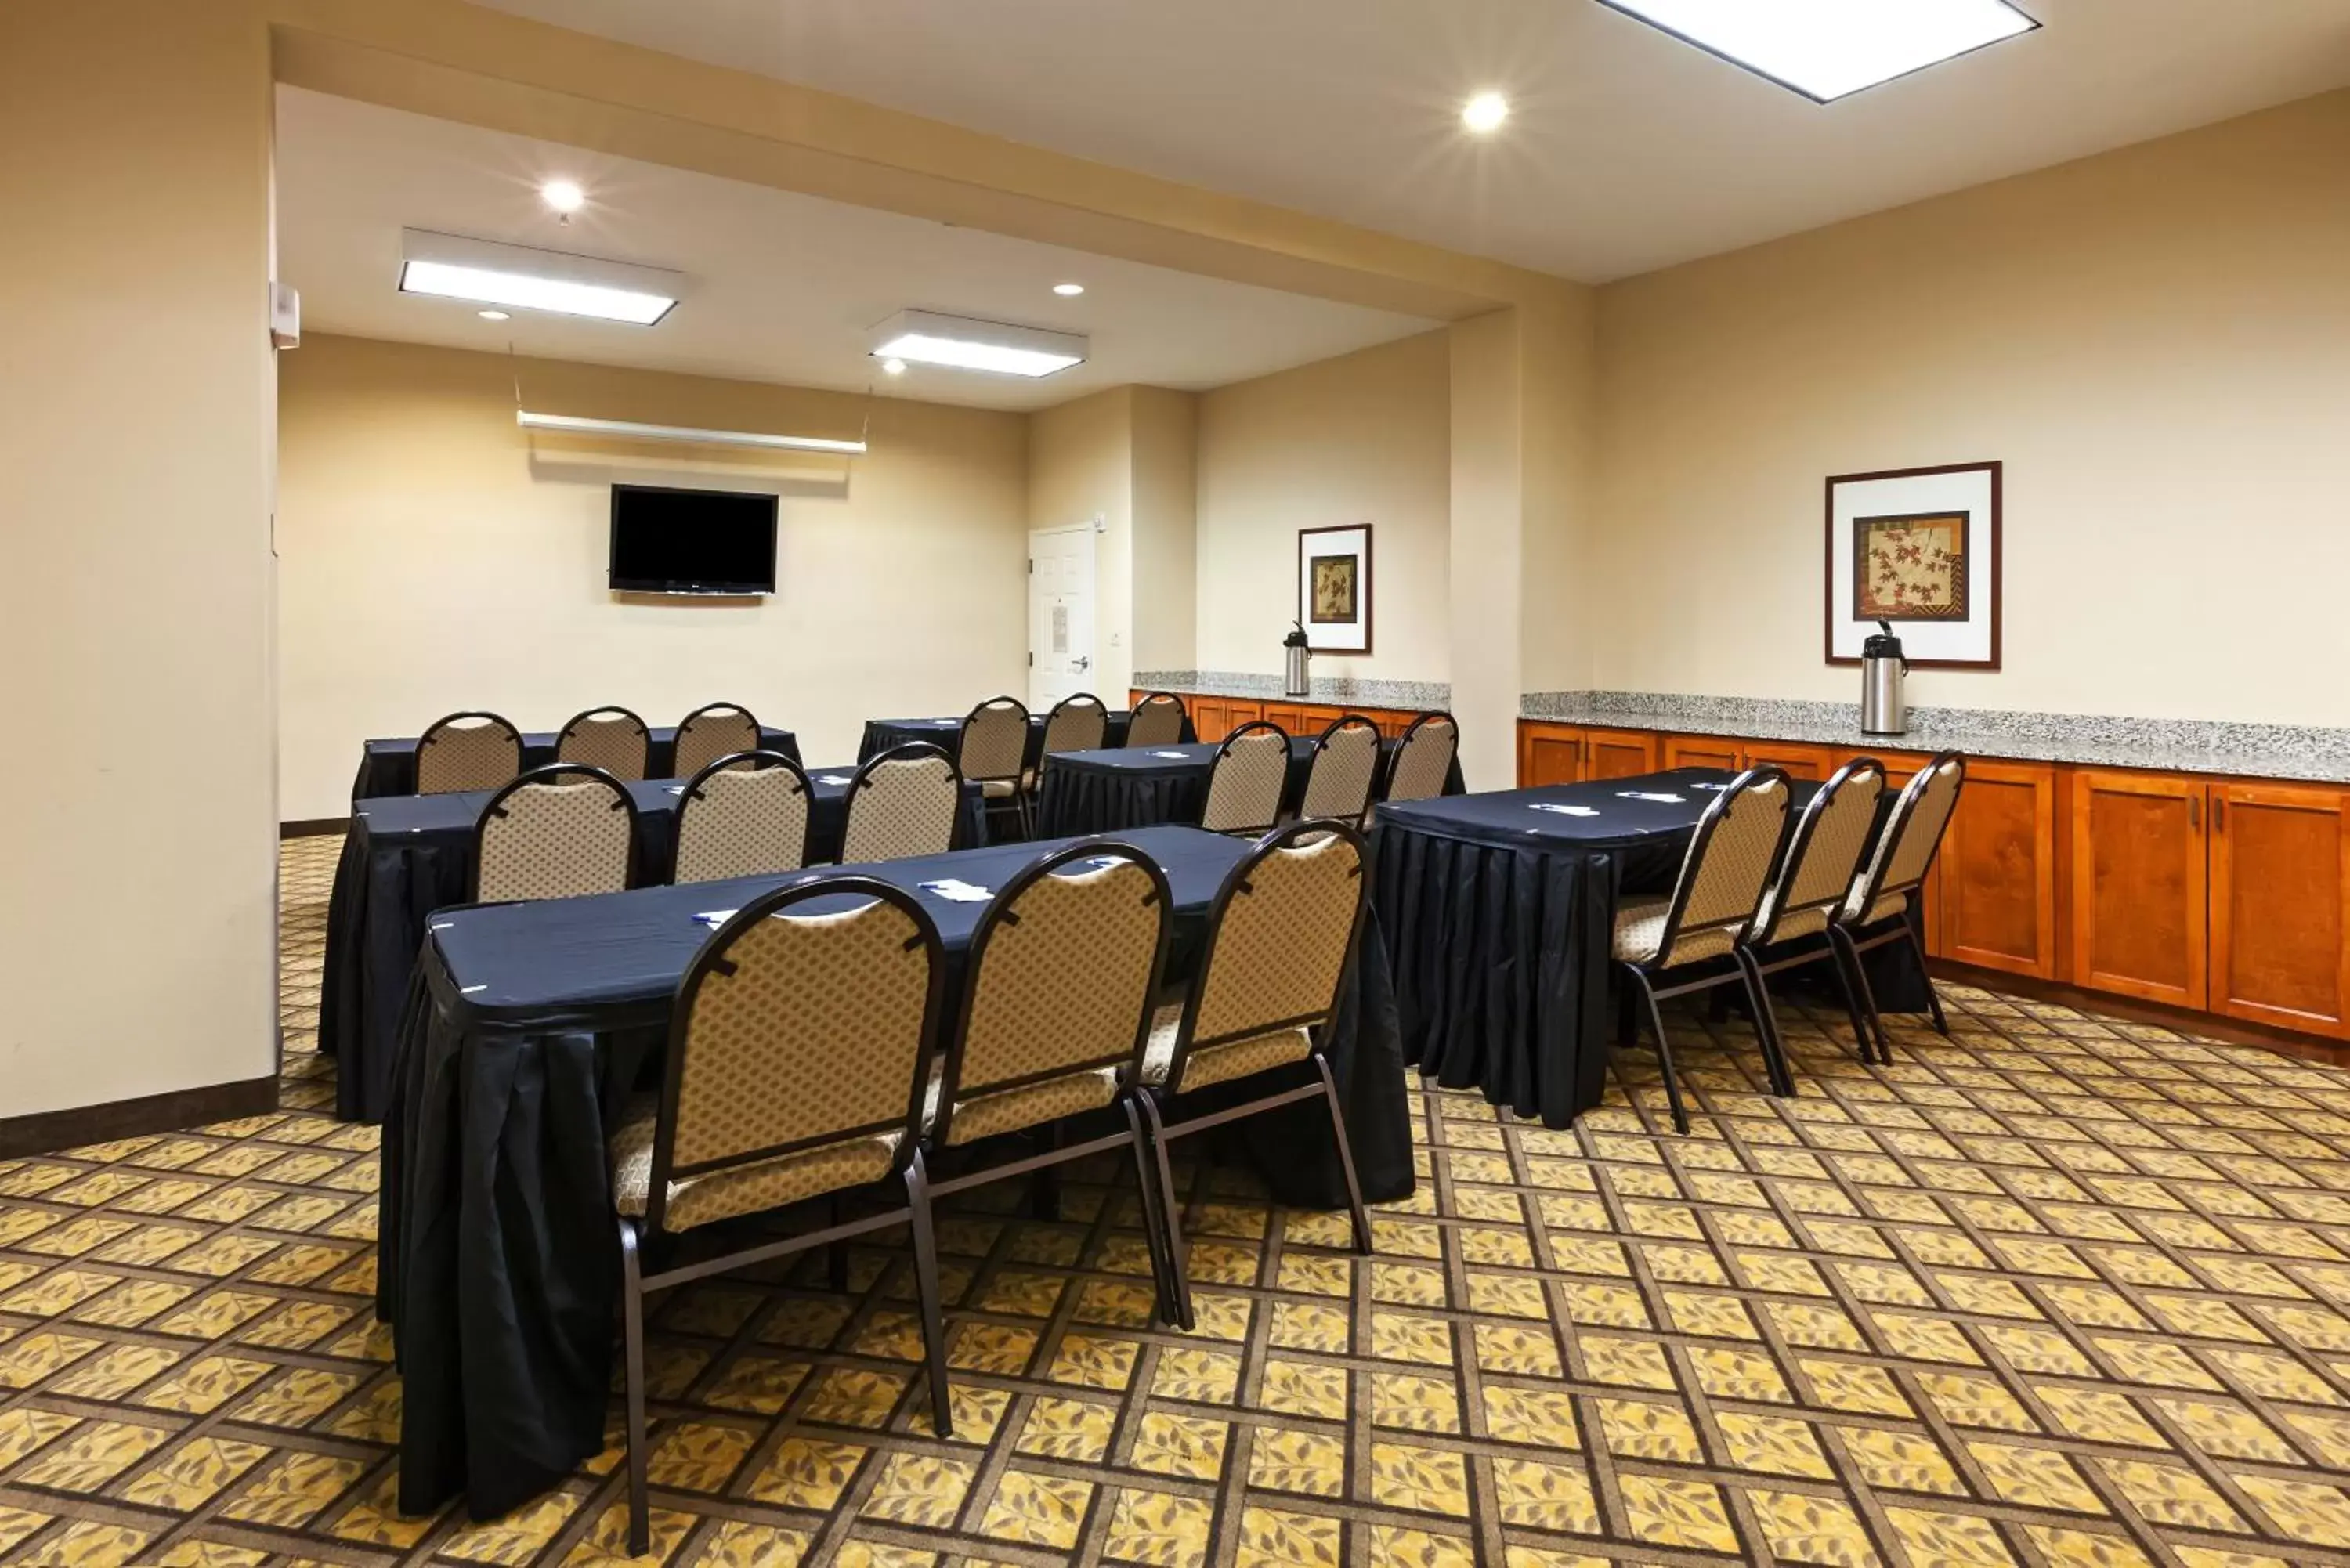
(2057, 1291)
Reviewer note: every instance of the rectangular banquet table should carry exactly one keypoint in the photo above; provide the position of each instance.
(1116, 788)
(527, 1028)
(407, 855)
(1499, 913)
(946, 732)
(388, 767)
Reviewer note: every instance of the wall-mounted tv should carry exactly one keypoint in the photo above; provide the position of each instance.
(692, 541)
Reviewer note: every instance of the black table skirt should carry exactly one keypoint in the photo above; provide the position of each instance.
(1502, 947)
(497, 1254)
(1112, 791)
(405, 857)
(880, 734)
(388, 767)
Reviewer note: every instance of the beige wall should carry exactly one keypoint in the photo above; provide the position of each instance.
(1362, 437)
(138, 913)
(1165, 529)
(2155, 341)
(1081, 468)
(436, 558)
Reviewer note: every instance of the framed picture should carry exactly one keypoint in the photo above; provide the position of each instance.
(1334, 588)
(1918, 548)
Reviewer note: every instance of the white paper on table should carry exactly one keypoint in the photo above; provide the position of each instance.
(1566, 810)
(841, 779)
(1178, 756)
(1715, 788)
(674, 789)
(955, 891)
(714, 917)
(1657, 796)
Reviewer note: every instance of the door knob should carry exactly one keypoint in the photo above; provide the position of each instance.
(1082, 662)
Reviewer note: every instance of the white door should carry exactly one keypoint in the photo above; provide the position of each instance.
(1060, 615)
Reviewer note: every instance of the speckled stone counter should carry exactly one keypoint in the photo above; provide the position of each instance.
(1407, 695)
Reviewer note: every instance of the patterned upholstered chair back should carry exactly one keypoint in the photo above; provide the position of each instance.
(1283, 930)
(796, 1030)
(734, 821)
(1346, 768)
(1064, 968)
(1423, 758)
(1912, 835)
(1824, 856)
(708, 733)
(562, 831)
(612, 739)
(1728, 866)
(1078, 723)
(902, 804)
(1157, 721)
(467, 751)
(995, 745)
(1244, 789)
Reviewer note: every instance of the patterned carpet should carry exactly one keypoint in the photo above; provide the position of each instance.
(2058, 1290)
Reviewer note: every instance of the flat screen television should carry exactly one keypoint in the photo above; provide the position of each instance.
(692, 541)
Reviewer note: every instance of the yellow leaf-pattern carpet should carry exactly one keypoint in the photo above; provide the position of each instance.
(2060, 1290)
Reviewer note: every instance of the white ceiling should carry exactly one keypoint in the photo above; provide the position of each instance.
(1626, 150)
(783, 288)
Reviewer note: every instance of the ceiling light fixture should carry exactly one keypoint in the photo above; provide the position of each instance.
(928, 338)
(1484, 113)
(893, 367)
(494, 315)
(1827, 49)
(1069, 290)
(452, 267)
(564, 195)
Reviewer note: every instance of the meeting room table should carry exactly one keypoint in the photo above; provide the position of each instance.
(1499, 913)
(1112, 790)
(407, 857)
(388, 767)
(946, 733)
(528, 1029)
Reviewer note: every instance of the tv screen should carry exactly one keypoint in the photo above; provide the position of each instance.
(692, 541)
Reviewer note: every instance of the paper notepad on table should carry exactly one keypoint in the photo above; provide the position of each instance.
(1715, 788)
(1566, 810)
(841, 779)
(955, 890)
(1660, 797)
(715, 918)
(1178, 756)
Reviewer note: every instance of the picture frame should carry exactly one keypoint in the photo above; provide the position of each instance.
(1918, 547)
(1334, 588)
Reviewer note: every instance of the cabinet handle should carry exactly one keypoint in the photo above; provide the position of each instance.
(2194, 813)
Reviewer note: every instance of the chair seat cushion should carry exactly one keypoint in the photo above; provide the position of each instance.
(742, 1190)
(1031, 1105)
(1222, 1062)
(1887, 905)
(998, 789)
(1640, 934)
(1803, 923)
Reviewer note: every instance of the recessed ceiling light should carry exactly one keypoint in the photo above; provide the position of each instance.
(1826, 49)
(564, 195)
(928, 338)
(519, 278)
(494, 315)
(1069, 290)
(893, 367)
(1484, 113)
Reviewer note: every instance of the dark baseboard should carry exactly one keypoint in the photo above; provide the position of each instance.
(314, 827)
(2186, 1019)
(51, 1130)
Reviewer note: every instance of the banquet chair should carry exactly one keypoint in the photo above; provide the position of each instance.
(1346, 768)
(1423, 758)
(612, 739)
(562, 831)
(1880, 909)
(467, 751)
(1281, 943)
(902, 804)
(1055, 1019)
(1244, 788)
(993, 753)
(1157, 721)
(738, 820)
(797, 1061)
(710, 731)
(1673, 946)
(1791, 929)
(1078, 723)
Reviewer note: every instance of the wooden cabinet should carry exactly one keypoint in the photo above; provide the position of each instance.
(2139, 917)
(1549, 755)
(1795, 761)
(2280, 884)
(1294, 718)
(1994, 903)
(1618, 753)
(1700, 752)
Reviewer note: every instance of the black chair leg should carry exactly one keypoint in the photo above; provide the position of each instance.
(926, 1285)
(1851, 999)
(1766, 1027)
(1867, 994)
(1664, 1048)
(1933, 998)
(1171, 1211)
(1346, 1157)
(1628, 1022)
(1153, 1223)
(632, 1372)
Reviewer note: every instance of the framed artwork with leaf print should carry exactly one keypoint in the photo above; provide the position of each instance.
(1334, 588)
(1918, 548)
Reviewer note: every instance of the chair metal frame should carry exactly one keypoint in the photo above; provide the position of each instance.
(1156, 1102)
(1224, 750)
(759, 761)
(1032, 780)
(447, 721)
(551, 772)
(758, 731)
(1380, 760)
(612, 710)
(1022, 810)
(1872, 887)
(1757, 952)
(904, 752)
(1158, 699)
(1403, 746)
(906, 1166)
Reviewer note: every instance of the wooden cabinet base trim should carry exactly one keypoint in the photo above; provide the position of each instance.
(2130, 1010)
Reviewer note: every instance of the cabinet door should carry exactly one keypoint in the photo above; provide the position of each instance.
(1392, 721)
(1997, 906)
(1549, 755)
(1618, 753)
(1238, 712)
(2138, 907)
(1294, 718)
(1211, 719)
(1795, 761)
(2280, 882)
(1700, 751)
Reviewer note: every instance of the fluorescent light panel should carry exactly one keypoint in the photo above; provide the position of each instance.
(574, 424)
(450, 266)
(928, 337)
(1826, 49)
